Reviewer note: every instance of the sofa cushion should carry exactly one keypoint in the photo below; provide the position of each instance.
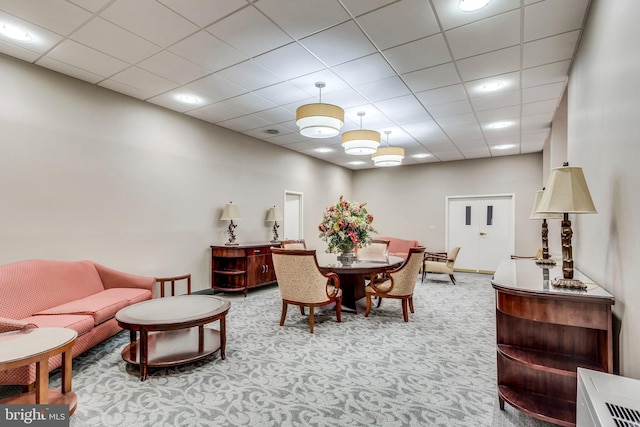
(78, 322)
(400, 247)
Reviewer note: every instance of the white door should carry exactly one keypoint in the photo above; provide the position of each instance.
(483, 227)
(292, 215)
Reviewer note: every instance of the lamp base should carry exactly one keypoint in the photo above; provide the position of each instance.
(545, 261)
(274, 241)
(569, 283)
(232, 244)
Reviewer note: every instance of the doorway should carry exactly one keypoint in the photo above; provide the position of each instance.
(483, 227)
(292, 215)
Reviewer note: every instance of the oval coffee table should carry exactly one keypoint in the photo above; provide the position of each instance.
(172, 330)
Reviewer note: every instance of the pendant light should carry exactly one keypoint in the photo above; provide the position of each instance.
(319, 120)
(360, 141)
(388, 156)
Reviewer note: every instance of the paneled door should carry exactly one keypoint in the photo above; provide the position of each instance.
(292, 216)
(483, 226)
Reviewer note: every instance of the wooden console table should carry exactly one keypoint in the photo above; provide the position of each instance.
(544, 334)
(241, 267)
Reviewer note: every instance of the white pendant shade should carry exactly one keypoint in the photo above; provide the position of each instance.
(360, 142)
(388, 156)
(319, 120)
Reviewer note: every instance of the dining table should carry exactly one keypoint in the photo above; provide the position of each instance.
(353, 277)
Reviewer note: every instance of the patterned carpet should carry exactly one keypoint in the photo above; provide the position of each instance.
(437, 370)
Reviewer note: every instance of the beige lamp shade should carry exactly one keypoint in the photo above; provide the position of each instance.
(274, 214)
(230, 212)
(319, 120)
(388, 156)
(566, 192)
(540, 215)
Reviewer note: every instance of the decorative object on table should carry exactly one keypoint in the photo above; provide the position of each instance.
(274, 215)
(388, 156)
(361, 141)
(566, 192)
(230, 213)
(546, 259)
(319, 120)
(346, 226)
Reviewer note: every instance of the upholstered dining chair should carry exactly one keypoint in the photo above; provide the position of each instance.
(440, 262)
(302, 283)
(378, 250)
(184, 279)
(293, 244)
(398, 283)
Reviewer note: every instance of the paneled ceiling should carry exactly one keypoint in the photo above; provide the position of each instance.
(417, 68)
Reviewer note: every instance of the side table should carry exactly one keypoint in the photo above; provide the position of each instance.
(20, 348)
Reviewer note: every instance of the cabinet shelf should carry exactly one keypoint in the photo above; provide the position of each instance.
(241, 267)
(559, 364)
(547, 408)
(229, 272)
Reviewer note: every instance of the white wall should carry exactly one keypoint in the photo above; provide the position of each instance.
(86, 173)
(603, 131)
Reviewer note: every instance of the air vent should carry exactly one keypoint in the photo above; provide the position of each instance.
(624, 417)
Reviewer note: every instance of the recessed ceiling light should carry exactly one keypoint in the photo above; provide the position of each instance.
(323, 150)
(15, 33)
(472, 5)
(499, 125)
(189, 99)
(492, 86)
(503, 146)
(421, 156)
(272, 131)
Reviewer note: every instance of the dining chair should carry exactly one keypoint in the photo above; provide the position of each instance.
(377, 250)
(293, 244)
(301, 282)
(184, 279)
(440, 262)
(398, 283)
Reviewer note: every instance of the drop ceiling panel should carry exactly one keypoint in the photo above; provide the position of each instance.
(464, 41)
(300, 18)
(508, 82)
(216, 87)
(545, 19)
(173, 67)
(59, 16)
(442, 95)
(353, 44)
(144, 80)
(451, 17)
(380, 90)
(204, 12)
(432, 78)
(249, 75)
(418, 54)
(543, 92)
(360, 7)
(289, 61)
(84, 58)
(498, 100)
(352, 72)
(69, 70)
(550, 49)
(42, 39)
(490, 64)
(282, 93)
(208, 51)
(545, 74)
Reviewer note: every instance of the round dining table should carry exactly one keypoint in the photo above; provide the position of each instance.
(352, 277)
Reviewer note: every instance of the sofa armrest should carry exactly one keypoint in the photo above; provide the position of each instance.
(9, 325)
(117, 279)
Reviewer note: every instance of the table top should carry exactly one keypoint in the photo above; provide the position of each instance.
(26, 344)
(526, 275)
(173, 310)
(330, 262)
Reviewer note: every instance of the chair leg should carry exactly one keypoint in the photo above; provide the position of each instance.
(302, 310)
(379, 302)
(368, 309)
(411, 303)
(405, 313)
(339, 310)
(453, 279)
(311, 310)
(284, 313)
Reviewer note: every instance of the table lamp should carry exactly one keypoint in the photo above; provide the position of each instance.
(546, 260)
(230, 213)
(566, 193)
(274, 215)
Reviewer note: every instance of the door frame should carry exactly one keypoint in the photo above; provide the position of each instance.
(511, 196)
(300, 196)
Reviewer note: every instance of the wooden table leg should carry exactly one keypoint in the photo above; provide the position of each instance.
(66, 372)
(200, 338)
(42, 381)
(223, 336)
(144, 354)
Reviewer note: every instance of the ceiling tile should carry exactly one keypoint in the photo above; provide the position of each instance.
(379, 90)
(249, 75)
(544, 19)
(403, 110)
(249, 103)
(375, 65)
(218, 112)
(509, 81)
(399, 23)
(41, 39)
(450, 109)
(490, 64)
(545, 74)
(289, 61)
(544, 92)
(166, 27)
(540, 107)
(18, 52)
(59, 16)
(275, 115)
(418, 54)
(432, 78)
(489, 116)
(551, 49)
(450, 16)
(333, 83)
(282, 93)
(143, 80)
(69, 70)
(353, 44)
(126, 89)
(208, 51)
(442, 95)
(498, 100)
(204, 12)
(481, 37)
(216, 87)
(300, 18)
(243, 123)
(449, 156)
(264, 34)
(87, 59)
(115, 41)
(359, 7)
(173, 67)
(91, 5)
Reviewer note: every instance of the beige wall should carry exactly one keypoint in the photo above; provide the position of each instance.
(604, 124)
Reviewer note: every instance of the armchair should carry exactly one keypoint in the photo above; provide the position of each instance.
(440, 262)
(293, 244)
(378, 250)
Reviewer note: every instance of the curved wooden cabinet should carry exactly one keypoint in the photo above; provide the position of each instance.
(544, 334)
(241, 267)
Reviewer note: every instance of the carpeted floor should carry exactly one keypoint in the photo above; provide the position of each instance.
(437, 370)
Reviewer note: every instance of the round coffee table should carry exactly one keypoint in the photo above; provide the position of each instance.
(172, 330)
(37, 345)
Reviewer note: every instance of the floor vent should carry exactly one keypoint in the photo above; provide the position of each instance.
(624, 417)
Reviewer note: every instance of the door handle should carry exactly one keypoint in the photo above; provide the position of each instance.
(482, 233)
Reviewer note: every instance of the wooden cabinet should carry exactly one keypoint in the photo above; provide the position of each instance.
(240, 267)
(544, 334)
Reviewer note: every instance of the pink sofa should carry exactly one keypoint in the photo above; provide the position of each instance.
(80, 295)
(399, 247)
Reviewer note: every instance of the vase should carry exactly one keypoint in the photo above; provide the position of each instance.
(346, 258)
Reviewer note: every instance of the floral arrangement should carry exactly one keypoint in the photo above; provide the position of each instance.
(346, 226)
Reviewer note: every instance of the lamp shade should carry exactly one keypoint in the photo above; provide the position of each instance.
(319, 120)
(360, 141)
(274, 214)
(388, 156)
(230, 212)
(541, 215)
(566, 192)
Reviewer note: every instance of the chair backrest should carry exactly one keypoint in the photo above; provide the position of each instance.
(405, 277)
(298, 275)
(163, 281)
(451, 257)
(293, 244)
(378, 250)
